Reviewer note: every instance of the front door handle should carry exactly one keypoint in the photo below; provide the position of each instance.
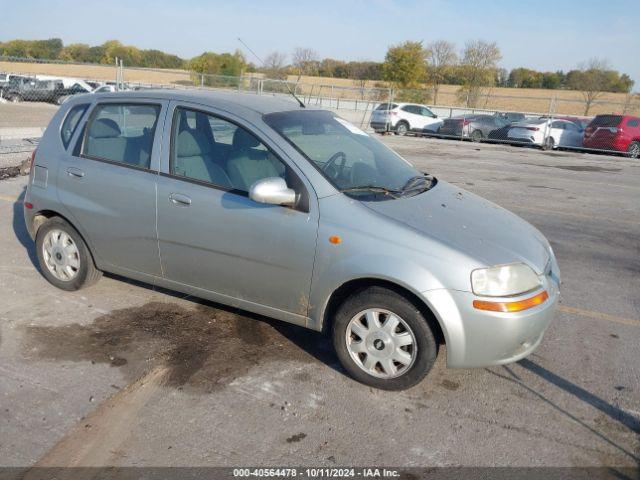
(180, 199)
(75, 172)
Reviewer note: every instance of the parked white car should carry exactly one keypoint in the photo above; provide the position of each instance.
(546, 133)
(106, 88)
(403, 118)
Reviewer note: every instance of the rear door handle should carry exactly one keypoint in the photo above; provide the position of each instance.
(75, 172)
(180, 199)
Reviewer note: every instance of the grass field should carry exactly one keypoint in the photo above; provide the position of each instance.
(497, 98)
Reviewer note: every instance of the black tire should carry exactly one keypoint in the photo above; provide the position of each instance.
(87, 274)
(549, 143)
(476, 136)
(402, 128)
(14, 98)
(386, 299)
(634, 149)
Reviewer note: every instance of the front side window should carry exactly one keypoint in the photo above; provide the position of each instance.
(70, 123)
(122, 133)
(633, 123)
(350, 159)
(426, 112)
(213, 150)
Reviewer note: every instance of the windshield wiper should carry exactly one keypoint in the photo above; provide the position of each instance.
(374, 189)
(414, 182)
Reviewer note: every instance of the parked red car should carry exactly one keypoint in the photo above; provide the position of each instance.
(614, 132)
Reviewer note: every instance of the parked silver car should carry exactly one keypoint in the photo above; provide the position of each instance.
(293, 213)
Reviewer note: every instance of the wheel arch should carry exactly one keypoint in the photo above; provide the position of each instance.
(43, 215)
(340, 294)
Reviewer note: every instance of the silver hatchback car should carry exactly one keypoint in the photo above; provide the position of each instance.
(292, 213)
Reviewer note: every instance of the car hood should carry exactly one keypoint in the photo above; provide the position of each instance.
(469, 224)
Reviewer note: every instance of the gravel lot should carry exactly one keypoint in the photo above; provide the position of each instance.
(26, 114)
(126, 374)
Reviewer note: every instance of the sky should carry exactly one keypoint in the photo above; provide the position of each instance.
(539, 34)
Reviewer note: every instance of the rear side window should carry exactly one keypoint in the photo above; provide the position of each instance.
(387, 106)
(71, 122)
(122, 133)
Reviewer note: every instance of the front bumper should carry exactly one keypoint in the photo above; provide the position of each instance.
(479, 338)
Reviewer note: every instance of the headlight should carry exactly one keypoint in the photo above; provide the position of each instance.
(504, 280)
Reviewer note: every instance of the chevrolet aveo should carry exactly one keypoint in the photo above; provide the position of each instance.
(293, 213)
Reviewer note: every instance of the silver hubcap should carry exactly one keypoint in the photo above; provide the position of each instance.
(61, 255)
(381, 343)
(634, 151)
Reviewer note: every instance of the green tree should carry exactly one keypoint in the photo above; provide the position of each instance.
(404, 65)
(223, 64)
(76, 52)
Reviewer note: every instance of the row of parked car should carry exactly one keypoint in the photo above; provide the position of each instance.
(42, 88)
(620, 133)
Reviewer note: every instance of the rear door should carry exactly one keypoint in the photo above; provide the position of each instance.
(410, 113)
(107, 181)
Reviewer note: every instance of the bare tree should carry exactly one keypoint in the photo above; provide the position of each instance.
(306, 61)
(441, 57)
(592, 79)
(478, 68)
(631, 103)
(274, 65)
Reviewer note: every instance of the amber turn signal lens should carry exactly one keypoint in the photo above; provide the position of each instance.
(512, 306)
(335, 239)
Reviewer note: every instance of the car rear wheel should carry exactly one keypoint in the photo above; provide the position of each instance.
(65, 260)
(634, 149)
(402, 128)
(15, 98)
(476, 136)
(549, 143)
(383, 340)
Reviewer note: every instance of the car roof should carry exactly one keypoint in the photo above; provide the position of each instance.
(261, 104)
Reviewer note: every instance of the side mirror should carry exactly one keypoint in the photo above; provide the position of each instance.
(272, 190)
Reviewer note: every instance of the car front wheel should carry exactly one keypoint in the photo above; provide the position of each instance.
(383, 340)
(63, 256)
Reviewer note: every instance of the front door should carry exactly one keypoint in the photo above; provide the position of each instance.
(108, 183)
(213, 236)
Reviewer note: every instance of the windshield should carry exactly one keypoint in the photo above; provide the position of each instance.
(350, 159)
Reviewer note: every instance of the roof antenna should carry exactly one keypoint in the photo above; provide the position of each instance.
(285, 82)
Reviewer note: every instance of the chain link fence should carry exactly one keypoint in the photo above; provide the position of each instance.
(537, 118)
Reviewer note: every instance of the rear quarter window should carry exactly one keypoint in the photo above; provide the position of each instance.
(71, 122)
